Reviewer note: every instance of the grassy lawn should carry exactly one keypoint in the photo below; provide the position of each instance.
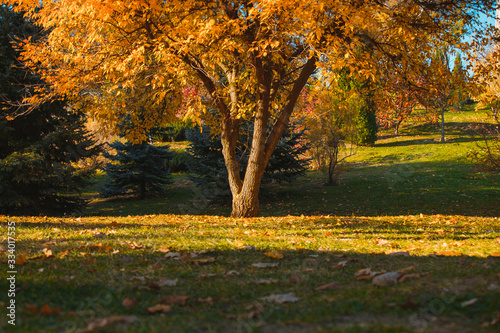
(84, 272)
(411, 207)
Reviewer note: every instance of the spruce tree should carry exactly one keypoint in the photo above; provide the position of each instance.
(207, 168)
(38, 148)
(139, 169)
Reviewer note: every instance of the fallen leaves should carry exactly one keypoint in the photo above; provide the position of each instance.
(331, 285)
(265, 264)
(21, 259)
(385, 279)
(468, 303)
(274, 254)
(202, 261)
(160, 308)
(167, 282)
(45, 309)
(129, 303)
(48, 253)
(266, 281)
(281, 298)
(98, 323)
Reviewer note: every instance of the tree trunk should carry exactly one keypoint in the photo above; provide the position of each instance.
(245, 191)
(442, 123)
(246, 203)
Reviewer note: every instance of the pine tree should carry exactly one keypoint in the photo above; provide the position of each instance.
(38, 149)
(207, 168)
(139, 169)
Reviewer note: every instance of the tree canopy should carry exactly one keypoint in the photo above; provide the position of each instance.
(251, 58)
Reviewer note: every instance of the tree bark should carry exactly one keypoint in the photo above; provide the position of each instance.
(442, 123)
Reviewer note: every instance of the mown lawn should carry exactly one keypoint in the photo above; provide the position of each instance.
(412, 207)
(84, 273)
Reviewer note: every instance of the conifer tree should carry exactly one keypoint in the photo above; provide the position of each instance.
(139, 169)
(38, 149)
(207, 168)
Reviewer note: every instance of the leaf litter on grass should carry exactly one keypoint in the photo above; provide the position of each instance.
(323, 270)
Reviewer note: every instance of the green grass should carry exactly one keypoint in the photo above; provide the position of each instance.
(409, 174)
(407, 194)
(85, 280)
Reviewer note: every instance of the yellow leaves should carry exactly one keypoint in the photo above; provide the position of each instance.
(274, 254)
(21, 259)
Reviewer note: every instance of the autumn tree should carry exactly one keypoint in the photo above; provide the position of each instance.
(252, 57)
(206, 162)
(460, 79)
(332, 129)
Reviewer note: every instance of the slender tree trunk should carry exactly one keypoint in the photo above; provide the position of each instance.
(442, 123)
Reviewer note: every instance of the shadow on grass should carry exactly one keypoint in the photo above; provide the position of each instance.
(405, 143)
(393, 188)
(86, 287)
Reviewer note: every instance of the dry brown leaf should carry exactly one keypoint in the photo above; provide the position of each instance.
(411, 276)
(173, 300)
(468, 303)
(495, 255)
(160, 308)
(238, 243)
(47, 310)
(31, 308)
(173, 255)
(294, 278)
(135, 246)
(382, 242)
(48, 253)
(202, 261)
(113, 224)
(105, 248)
(281, 298)
(21, 260)
(274, 254)
(367, 274)
(207, 300)
(206, 275)
(164, 249)
(99, 323)
(167, 282)
(265, 265)
(406, 269)
(266, 281)
(232, 273)
(340, 264)
(331, 285)
(129, 303)
(386, 279)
